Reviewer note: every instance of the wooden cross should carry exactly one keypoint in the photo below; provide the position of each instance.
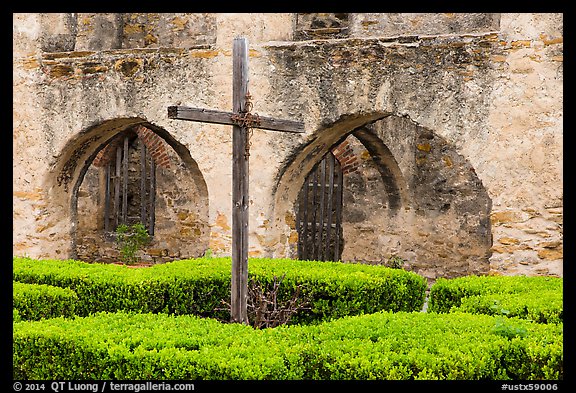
(241, 120)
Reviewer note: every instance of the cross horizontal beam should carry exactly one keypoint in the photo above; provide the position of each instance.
(222, 117)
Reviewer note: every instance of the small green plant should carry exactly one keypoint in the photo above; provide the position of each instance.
(209, 253)
(507, 330)
(395, 262)
(130, 239)
(499, 310)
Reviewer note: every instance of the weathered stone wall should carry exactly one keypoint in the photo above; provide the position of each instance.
(476, 184)
(524, 173)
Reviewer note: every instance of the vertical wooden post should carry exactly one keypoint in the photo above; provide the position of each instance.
(340, 184)
(321, 207)
(314, 230)
(152, 206)
(240, 169)
(143, 184)
(107, 199)
(117, 182)
(125, 183)
(331, 159)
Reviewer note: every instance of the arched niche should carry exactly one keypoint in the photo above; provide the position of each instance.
(410, 194)
(82, 175)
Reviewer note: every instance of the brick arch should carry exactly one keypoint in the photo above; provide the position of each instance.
(369, 180)
(346, 157)
(156, 146)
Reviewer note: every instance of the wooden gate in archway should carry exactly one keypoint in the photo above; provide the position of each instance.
(130, 184)
(319, 215)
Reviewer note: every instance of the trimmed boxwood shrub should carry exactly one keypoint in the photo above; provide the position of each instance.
(99, 287)
(338, 289)
(382, 345)
(38, 301)
(539, 299)
(202, 286)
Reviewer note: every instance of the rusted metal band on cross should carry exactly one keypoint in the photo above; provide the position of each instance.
(245, 118)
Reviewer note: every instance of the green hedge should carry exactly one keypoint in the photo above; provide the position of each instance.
(539, 299)
(382, 345)
(200, 286)
(38, 301)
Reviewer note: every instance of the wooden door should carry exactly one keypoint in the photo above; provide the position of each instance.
(130, 186)
(319, 217)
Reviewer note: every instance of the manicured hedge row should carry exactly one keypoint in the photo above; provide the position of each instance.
(38, 301)
(200, 286)
(102, 287)
(382, 345)
(535, 298)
